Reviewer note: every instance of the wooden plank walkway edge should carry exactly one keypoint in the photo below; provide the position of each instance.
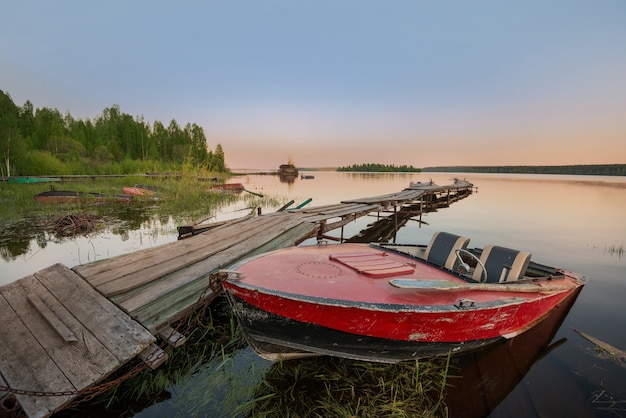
(33, 354)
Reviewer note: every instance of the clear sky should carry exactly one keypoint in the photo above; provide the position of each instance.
(338, 82)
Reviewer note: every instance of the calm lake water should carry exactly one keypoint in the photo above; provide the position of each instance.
(574, 222)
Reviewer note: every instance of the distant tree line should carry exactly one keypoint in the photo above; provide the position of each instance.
(592, 169)
(43, 141)
(380, 168)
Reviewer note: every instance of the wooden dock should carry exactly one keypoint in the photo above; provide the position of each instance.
(68, 329)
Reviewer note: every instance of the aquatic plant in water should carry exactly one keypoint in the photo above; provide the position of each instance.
(336, 387)
(617, 250)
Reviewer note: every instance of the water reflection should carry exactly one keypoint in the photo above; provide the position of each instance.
(287, 178)
(567, 221)
(31, 244)
(16, 238)
(481, 380)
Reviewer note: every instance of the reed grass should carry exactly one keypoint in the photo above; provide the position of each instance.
(183, 197)
(335, 387)
(617, 250)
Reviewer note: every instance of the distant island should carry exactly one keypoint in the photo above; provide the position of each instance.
(582, 170)
(380, 168)
(589, 170)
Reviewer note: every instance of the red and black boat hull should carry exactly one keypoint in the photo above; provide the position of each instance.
(322, 301)
(276, 337)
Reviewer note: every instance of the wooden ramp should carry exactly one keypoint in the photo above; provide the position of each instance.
(58, 334)
(162, 284)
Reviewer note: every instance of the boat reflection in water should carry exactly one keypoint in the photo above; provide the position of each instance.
(479, 381)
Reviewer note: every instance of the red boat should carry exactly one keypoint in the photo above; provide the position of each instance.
(229, 187)
(391, 303)
(138, 190)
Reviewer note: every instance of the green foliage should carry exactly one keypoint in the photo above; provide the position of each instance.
(41, 163)
(9, 131)
(380, 168)
(216, 160)
(111, 141)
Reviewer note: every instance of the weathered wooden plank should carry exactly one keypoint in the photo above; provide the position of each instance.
(322, 209)
(111, 269)
(290, 238)
(161, 261)
(97, 270)
(122, 336)
(101, 271)
(202, 269)
(26, 365)
(173, 338)
(357, 209)
(198, 226)
(84, 361)
(173, 306)
(176, 304)
(52, 319)
(153, 356)
(146, 275)
(344, 208)
(407, 194)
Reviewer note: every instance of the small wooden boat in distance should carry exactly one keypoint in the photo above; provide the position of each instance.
(229, 187)
(391, 303)
(138, 190)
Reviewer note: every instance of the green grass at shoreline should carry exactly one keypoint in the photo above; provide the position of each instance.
(182, 197)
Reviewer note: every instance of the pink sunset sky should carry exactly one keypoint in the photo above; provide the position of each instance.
(331, 83)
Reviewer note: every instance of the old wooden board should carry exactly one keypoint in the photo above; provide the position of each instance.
(458, 184)
(153, 305)
(102, 272)
(246, 241)
(414, 192)
(202, 225)
(148, 265)
(359, 209)
(146, 272)
(36, 353)
(113, 268)
(322, 209)
(404, 195)
(26, 365)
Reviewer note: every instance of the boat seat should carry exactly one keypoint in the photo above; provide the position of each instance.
(441, 249)
(502, 264)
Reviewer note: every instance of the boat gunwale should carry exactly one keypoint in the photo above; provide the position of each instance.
(386, 307)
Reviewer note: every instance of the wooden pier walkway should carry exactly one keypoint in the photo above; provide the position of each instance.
(67, 329)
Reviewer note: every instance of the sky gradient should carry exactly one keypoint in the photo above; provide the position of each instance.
(335, 83)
